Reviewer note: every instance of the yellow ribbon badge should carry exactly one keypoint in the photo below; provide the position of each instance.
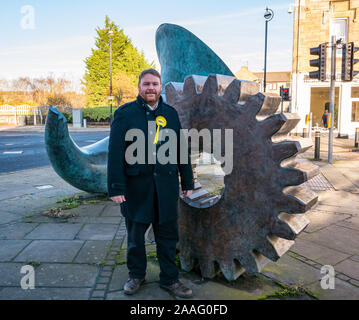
(160, 121)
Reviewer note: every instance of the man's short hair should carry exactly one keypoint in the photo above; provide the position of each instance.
(149, 71)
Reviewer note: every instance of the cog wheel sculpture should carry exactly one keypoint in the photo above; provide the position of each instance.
(261, 209)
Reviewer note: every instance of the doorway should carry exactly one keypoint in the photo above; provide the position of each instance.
(319, 96)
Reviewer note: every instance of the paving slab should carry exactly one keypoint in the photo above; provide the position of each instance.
(112, 210)
(248, 287)
(50, 251)
(10, 274)
(350, 174)
(97, 232)
(54, 231)
(349, 268)
(10, 248)
(66, 275)
(339, 198)
(16, 231)
(149, 291)
(6, 217)
(120, 275)
(337, 179)
(291, 271)
(338, 209)
(352, 223)
(213, 290)
(342, 291)
(95, 220)
(93, 251)
(318, 253)
(45, 294)
(321, 219)
(89, 210)
(335, 237)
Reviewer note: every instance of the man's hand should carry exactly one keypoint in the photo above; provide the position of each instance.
(118, 199)
(187, 193)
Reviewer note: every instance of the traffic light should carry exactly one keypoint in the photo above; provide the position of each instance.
(348, 61)
(321, 62)
(284, 93)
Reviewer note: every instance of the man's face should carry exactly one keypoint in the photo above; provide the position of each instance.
(150, 88)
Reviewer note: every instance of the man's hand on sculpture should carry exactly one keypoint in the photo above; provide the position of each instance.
(187, 193)
(118, 199)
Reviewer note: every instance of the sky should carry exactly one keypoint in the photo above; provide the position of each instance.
(44, 37)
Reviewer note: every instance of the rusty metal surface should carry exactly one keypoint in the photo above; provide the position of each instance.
(260, 211)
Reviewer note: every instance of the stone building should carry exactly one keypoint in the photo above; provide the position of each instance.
(315, 21)
(274, 80)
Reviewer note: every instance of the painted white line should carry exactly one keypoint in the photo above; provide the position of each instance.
(13, 152)
(44, 187)
(9, 144)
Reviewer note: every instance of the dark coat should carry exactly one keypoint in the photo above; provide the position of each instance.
(140, 182)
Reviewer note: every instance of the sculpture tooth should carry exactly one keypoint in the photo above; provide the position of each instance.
(284, 150)
(217, 84)
(240, 91)
(291, 122)
(298, 199)
(254, 104)
(288, 226)
(291, 177)
(83, 169)
(298, 171)
(174, 90)
(187, 262)
(207, 268)
(253, 262)
(274, 247)
(272, 124)
(231, 269)
(193, 85)
(270, 106)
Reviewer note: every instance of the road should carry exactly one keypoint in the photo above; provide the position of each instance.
(21, 151)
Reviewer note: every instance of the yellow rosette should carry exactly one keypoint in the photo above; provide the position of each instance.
(160, 121)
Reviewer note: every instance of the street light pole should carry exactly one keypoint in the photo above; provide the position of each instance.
(110, 33)
(332, 98)
(268, 15)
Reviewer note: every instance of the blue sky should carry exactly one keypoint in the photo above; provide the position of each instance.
(64, 32)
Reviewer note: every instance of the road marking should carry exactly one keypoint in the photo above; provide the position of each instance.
(9, 144)
(44, 187)
(13, 152)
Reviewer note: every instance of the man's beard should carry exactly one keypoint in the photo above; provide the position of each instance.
(151, 100)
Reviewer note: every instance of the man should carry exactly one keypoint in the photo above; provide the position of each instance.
(148, 192)
(325, 116)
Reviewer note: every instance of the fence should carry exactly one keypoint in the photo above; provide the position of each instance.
(18, 114)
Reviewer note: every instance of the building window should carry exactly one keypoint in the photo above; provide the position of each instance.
(269, 86)
(355, 104)
(339, 29)
(274, 86)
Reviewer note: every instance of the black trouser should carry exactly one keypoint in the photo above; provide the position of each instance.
(166, 237)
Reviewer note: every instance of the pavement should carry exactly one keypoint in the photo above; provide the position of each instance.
(76, 243)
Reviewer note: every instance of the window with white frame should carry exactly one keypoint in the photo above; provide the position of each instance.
(339, 29)
(355, 104)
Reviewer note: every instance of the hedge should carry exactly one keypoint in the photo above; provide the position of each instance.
(98, 114)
